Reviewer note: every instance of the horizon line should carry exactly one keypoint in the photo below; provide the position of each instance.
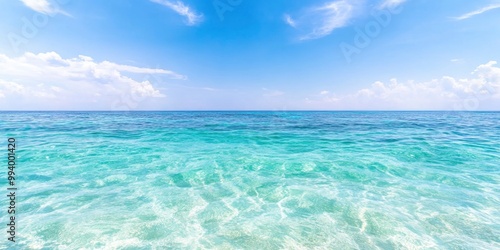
(257, 110)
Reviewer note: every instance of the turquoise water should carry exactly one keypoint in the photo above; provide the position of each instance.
(256, 180)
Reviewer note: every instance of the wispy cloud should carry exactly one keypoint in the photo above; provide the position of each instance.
(289, 20)
(323, 20)
(334, 15)
(478, 12)
(180, 8)
(457, 60)
(44, 6)
(391, 3)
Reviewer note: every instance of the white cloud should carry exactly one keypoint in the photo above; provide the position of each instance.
(457, 60)
(334, 15)
(321, 21)
(180, 8)
(482, 91)
(48, 81)
(391, 3)
(44, 6)
(478, 12)
(289, 20)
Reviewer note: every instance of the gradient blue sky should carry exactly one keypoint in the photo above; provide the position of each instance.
(249, 55)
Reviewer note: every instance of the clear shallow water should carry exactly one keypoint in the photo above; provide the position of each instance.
(256, 180)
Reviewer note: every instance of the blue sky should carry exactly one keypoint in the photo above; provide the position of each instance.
(249, 55)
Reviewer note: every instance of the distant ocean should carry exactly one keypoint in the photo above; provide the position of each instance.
(254, 180)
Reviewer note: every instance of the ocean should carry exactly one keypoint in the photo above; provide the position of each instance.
(254, 180)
